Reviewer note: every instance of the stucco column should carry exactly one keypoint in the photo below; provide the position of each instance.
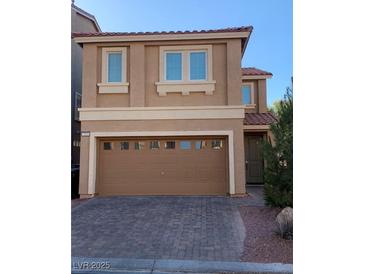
(84, 167)
(262, 95)
(89, 73)
(137, 75)
(234, 72)
(239, 158)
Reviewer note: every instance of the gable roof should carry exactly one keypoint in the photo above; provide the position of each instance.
(87, 15)
(266, 118)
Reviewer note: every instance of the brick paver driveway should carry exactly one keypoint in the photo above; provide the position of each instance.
(170, 227)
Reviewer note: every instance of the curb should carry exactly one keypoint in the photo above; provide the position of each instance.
(125, 265)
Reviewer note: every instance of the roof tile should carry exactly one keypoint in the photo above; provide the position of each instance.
(267, 118)
(254, 71)
(91, 34)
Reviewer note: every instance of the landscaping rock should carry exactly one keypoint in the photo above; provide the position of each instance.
(285, 223)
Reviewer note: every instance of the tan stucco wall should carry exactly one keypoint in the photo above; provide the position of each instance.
(262, 100)
(234, 96)
(219, 96)
(167, 125)
(84, 164)
(143, 72)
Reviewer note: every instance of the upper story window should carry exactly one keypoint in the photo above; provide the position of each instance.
(186, 69)
(247, 94)
(114, 67)
(114, 70)
(198, 65)
(173, 63)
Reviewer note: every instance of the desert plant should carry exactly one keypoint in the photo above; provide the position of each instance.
(278, 172)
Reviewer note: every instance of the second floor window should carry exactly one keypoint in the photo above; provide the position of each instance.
(198, 65)
(185, 69)
(173, 66)
(186, 65)
(247, 94)
(114, 67)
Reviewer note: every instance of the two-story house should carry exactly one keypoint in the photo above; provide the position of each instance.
(170, 113)
(81, 21)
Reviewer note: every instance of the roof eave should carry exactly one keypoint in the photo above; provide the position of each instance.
(161, 37)
(255, 77)
(246, 42)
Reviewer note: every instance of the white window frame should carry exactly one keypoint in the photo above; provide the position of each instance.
(251, 85)
(113, 87)
(185, 86)
(206, 65)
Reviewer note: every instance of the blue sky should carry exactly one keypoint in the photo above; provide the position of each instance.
(270, 46)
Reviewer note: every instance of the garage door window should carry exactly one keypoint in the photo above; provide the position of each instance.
(170, 145)
(138, 145)
(155, 145)
(124, 145)
(107, 145)
(217, 144)
(185, 145)
(200, 144)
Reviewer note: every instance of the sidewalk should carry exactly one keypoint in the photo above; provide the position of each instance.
(109, 266)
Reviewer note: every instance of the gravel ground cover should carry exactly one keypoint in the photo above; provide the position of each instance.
(262, 243)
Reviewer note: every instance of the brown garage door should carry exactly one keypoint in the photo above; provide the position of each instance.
(162, 166)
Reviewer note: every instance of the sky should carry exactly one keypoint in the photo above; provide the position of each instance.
(270, 47)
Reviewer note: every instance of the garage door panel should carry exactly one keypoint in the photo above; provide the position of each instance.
(167, 188)
(161, 171)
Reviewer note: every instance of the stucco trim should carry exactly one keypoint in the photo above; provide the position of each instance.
(113, 87)
(161, 37)
(95, 135)
(161, 113)
(256, 127)
(185, 87)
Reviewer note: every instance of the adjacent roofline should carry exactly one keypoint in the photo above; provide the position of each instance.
(241, 32)
(251, 73)
(87, 15)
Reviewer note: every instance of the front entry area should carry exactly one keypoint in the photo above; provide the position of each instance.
(162, 166)
(254, 159)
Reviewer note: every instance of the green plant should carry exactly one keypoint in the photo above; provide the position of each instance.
(278, 172)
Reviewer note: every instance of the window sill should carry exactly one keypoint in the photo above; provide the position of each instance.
(185, 87)
(250, 106)
(113, 87)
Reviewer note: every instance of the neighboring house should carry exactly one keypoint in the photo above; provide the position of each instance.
(170, 113)
(81, 21)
